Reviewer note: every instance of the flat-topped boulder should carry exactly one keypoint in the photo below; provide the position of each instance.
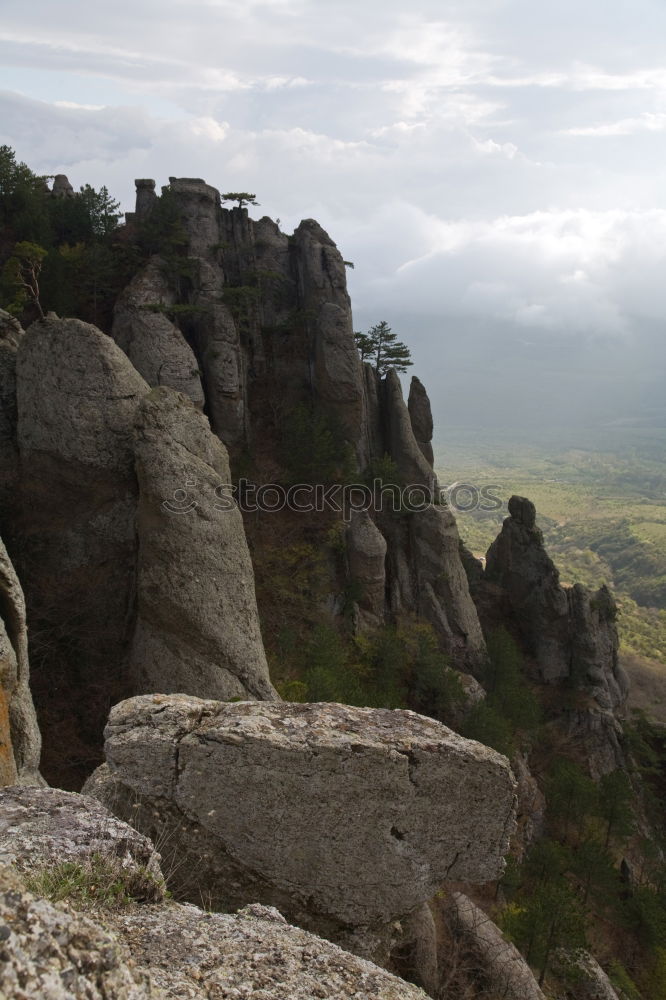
(340, 816)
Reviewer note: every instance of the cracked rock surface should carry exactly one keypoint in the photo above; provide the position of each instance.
(340, 816)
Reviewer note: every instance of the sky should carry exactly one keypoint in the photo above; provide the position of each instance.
(495, 169)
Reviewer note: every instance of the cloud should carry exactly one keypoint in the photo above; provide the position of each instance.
(443, 147)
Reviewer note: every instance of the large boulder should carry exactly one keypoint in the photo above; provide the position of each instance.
(345, 818)
(41, 828)
(20, 740)
(197, 627)
(51, 951)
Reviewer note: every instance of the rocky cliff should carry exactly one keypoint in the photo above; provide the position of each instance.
(268, 319)
(569, 634)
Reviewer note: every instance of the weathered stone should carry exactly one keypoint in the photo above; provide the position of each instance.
(10, 335)
(197, 626)
(146, 198)
(345, 817)
(594, 739)
(595, 645)
(487, 957)
(49, 951)
(443, 596)
(337, 371)
(61, 187)
(518, 562)
(199, 205)
(20, 740)
(420, 415)
(43, 827)
(413, 467)
(154, 345)
(77, 395)
(583, 977)
(366, 555)
(194, 955)
(569, 632)
(73, 532)
(531, 806)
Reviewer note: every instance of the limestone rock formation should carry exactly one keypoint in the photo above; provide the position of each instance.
(420, 415)
(146, 197)
(197, 625)
(414, 468)
(154, 345)
(570, 632)
(50, 951)
(61, 187)
(10, 335)
(589, 981)
(518, 563)
(44, 827)
(342, 817)
(195, 955)
(443, 596)
(488, 958)
(73, 529)
(366, 555)
(20, 741)
(337, 371)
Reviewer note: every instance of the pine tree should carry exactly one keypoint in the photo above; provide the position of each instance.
(242, 197)
(382, 346)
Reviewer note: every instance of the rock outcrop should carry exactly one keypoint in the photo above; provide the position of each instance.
(483, 957)
(420, 416)
(20, 741)
(195, 955)
(413, 467)
(442, 590)
(62, 187)
(155, 346)
(587, 979)
(50, 951)
(197, 627)
(42, 828)
(10, 336)
(569, 634)
(345, 818)
(366, 556)
(125, 594)
(73, 530)
(142, 945)
(337, 372)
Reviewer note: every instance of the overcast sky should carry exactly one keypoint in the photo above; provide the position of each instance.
(496, 169)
